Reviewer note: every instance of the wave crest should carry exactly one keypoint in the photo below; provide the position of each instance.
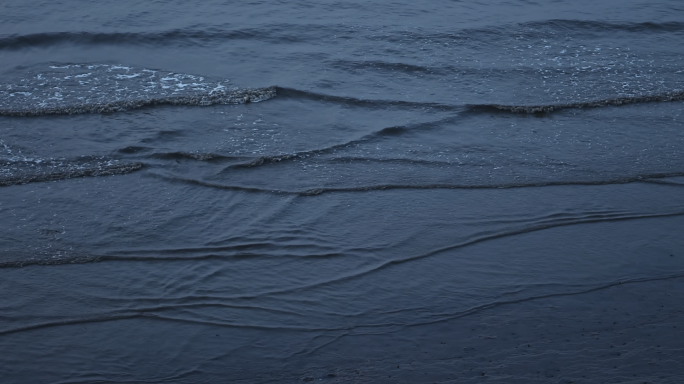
(545, 108)
(241, 96)
(24, 172)
(102, 88)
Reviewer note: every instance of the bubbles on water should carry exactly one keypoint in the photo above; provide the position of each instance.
(84, 88)
(16, 168)
(543, 62)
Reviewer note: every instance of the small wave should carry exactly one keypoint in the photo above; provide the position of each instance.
(538, 29)
(388, 160)
(169, 255)
(382, 133)
(673, 182)
(51, 260)
(131, 149)
(355, 65)
(240, 96)
(190, 36)
(199, 156)
(546, 108)
(17, 173)
(383, 187)
(255, 162)
(552, 221)
(242, 161)
(158, 313)
(308, 95)
(602, 26)
(587, 219)
(667, 96)
(297, 33)
(67, 89)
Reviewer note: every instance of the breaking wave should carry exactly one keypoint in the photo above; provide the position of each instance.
(241, 96)
(17, 171)
(102, 88)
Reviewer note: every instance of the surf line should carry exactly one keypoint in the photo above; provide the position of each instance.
(546, 108)
(71, 173)
(240, 96)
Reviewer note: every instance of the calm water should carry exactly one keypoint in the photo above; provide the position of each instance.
(321, 191)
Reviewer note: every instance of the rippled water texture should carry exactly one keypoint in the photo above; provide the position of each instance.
(342, 192)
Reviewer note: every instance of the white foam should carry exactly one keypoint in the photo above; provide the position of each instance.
(127, 76)
(113, 67)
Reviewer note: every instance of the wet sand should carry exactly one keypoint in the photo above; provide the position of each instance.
(628, 332)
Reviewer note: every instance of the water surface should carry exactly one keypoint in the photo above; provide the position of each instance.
(341, 191)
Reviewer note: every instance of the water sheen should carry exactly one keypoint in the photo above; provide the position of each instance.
(277, 192)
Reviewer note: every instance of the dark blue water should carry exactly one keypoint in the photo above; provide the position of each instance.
(342, 192)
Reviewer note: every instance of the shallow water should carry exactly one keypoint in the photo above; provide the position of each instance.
(278, 192)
